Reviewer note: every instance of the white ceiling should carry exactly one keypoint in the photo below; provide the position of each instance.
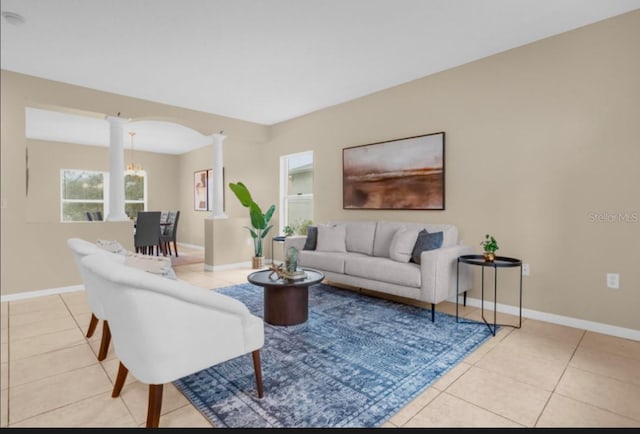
(268, 61)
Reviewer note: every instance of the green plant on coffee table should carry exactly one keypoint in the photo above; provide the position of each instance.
(259, 220)
(489, 244)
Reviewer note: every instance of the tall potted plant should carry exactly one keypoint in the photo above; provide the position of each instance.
(259, 221)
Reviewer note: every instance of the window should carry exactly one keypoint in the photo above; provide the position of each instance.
(86, 191)
(296, 189)
(82, 191)
(135, 194)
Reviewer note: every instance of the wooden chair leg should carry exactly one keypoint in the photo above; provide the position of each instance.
(155, 404)
(106, 338)
(168, 247)
(120, 379)
(92, 325)
(175, 247)
(258, 372)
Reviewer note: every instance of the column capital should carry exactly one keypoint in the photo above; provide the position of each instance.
(116, 119)
(217, 138)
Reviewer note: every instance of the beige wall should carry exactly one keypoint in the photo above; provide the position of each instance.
(34, 254)
(537, 139)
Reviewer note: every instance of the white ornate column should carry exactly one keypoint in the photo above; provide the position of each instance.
(116, 169)
(218, 187)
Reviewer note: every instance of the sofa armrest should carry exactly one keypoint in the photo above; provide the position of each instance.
(296, 241)
(439, 267)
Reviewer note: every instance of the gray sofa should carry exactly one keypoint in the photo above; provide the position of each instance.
(377, 255)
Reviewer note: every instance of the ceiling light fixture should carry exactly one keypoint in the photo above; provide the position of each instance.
(13, 18)
(133, 168)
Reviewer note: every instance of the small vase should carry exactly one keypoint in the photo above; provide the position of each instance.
(489, 256)
(257, 262)
(291, 262)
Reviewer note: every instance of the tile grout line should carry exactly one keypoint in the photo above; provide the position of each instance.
(555, 387)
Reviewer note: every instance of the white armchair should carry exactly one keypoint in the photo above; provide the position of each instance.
(81, 248)
(165, 329)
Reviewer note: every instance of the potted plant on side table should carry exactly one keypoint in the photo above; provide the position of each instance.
(490, 245)
(259, 221)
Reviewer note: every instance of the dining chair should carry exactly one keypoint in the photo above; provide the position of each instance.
(147, 233)
(81, 248)
(165, 329)
(170, 232)
(89, 216)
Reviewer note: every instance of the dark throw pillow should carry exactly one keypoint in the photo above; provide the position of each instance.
(312, 238)
(425, 241)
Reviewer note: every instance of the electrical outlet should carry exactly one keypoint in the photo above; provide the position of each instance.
(525, 269)
(613, 280)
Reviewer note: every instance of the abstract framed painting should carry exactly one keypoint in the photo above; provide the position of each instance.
(401, 174)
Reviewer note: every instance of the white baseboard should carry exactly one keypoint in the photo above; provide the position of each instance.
(191, 246)
(224, 267)
(592, 326)
(41, 293)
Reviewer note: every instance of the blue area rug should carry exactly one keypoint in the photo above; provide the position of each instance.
(354, 363)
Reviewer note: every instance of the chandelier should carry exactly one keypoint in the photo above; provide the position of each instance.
(133, 168)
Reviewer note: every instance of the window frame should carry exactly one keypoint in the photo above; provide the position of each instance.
(105, 192)
(284, 195)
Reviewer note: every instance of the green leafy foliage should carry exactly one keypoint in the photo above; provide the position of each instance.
(259, 221)
(299, 227)
(489, 244)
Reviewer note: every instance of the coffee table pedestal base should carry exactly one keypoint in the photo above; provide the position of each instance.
(286, 305)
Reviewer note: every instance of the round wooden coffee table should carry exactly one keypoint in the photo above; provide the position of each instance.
(286, 302)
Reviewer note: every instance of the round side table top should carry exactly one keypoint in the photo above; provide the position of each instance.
(500, 261)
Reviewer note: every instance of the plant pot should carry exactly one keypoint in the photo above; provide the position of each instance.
(489, 256)
(257, 262)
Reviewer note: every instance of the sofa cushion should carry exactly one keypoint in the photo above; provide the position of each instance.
(312, 238)
(402, 244)
(151, 264)
(360, 235)
(323, 261)
(426, 241)
(383, 269)
(383, 236)
(112, 246)
(331, 238)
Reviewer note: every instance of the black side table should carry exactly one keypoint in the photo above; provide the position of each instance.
(499, 262)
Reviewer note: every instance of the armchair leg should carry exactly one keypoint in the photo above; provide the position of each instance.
(258, 371)
(433, 312)
(104, 344)
(120, 379)
(464, 298)
(92, 325)
(155, 404)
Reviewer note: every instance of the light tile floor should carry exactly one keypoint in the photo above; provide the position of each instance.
(542, 375)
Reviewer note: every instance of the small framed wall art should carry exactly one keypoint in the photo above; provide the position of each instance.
(200, 190)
